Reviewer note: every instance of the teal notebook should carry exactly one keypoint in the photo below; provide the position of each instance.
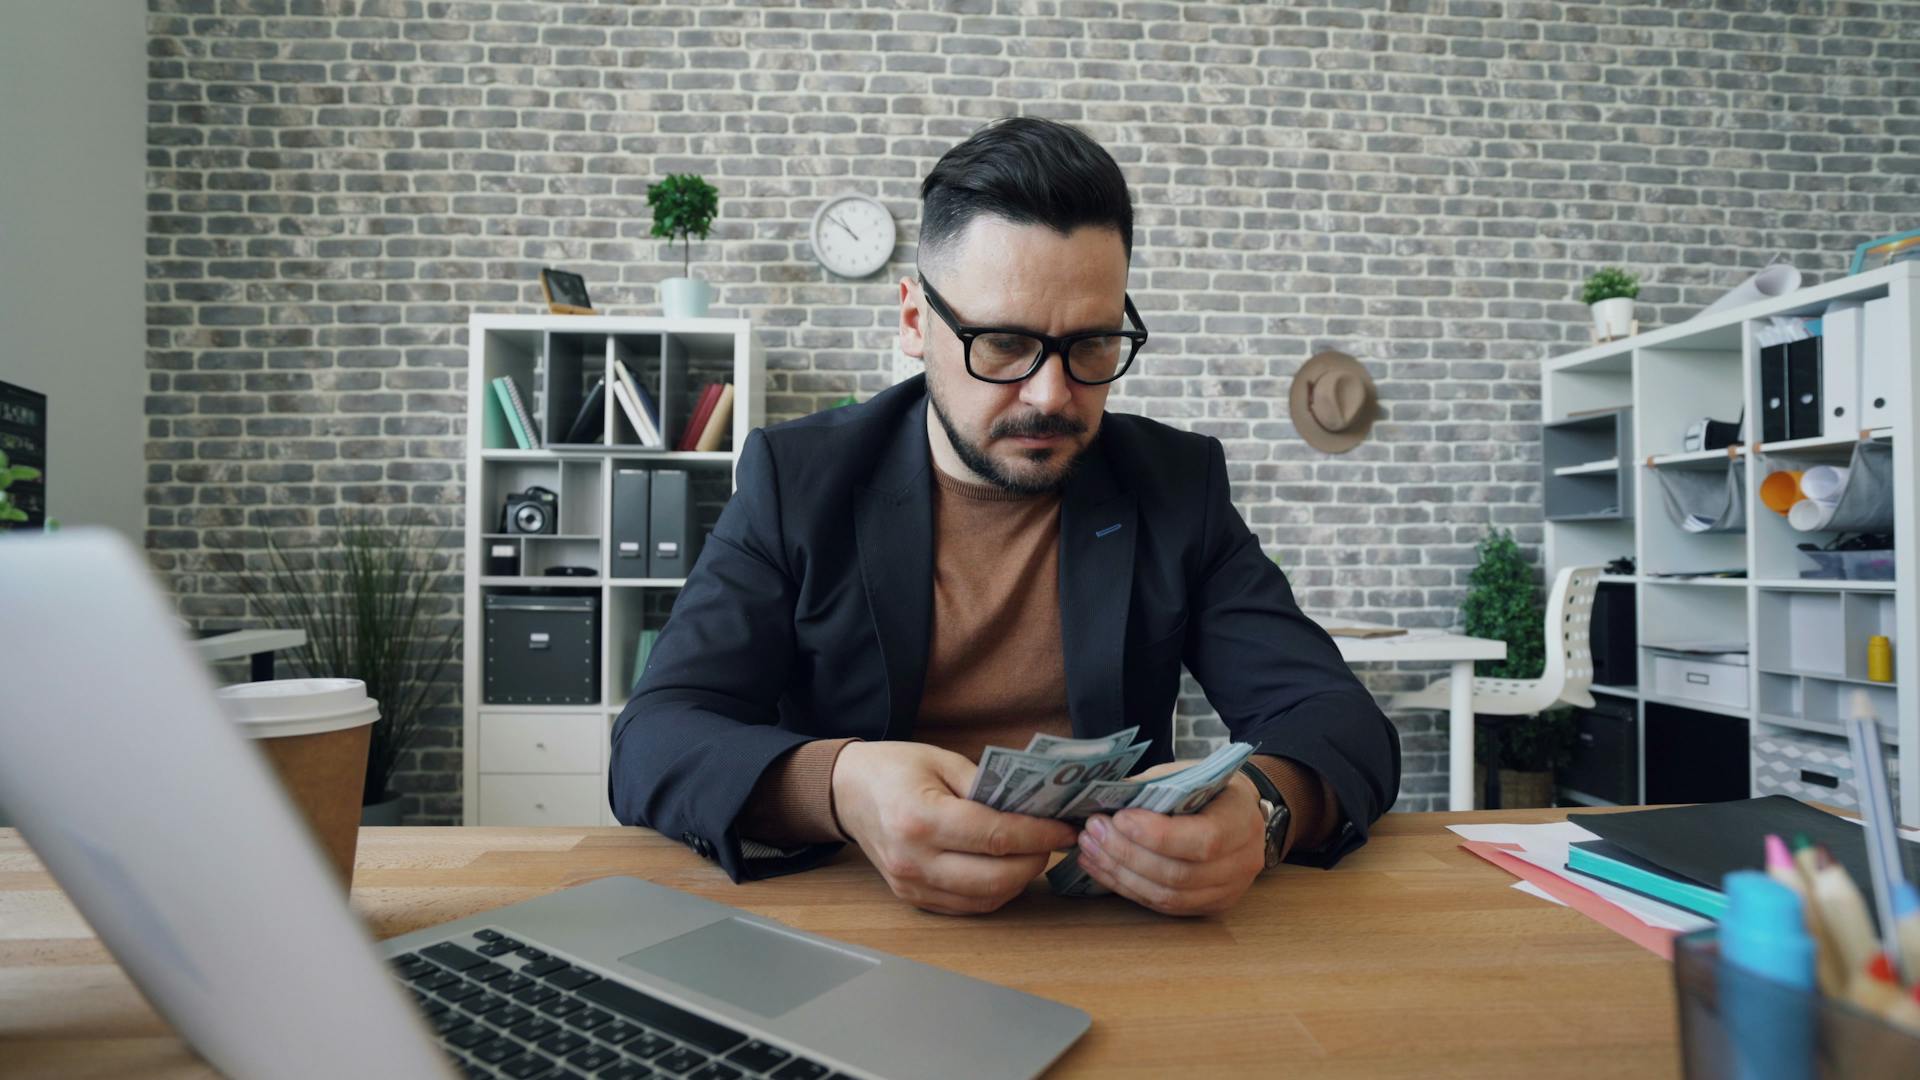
(503, 393)
(1616, 865)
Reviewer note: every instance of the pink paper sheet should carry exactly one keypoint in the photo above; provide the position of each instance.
(1653, 939)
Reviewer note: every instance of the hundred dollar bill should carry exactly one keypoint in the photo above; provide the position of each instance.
(995, 763)
(1045, 793)
(1185, 792)
(1030, 767)
(1057, 746)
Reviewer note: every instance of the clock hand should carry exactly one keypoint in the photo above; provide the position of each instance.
(844, 228)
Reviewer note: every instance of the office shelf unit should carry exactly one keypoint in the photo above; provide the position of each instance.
(1805, 639)
(547, 764)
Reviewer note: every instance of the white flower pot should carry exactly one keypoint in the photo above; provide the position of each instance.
(685, 297)
(1613, 318)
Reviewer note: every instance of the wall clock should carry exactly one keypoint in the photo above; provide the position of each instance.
(852, 235)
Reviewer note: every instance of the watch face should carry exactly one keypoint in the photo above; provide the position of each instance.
(1277, 818)
(853, 236)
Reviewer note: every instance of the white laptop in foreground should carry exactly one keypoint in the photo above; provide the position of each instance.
(170, 833)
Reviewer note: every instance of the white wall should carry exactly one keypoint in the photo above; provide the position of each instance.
(73, 87)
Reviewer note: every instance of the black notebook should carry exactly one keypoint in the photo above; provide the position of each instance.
(591, 420)
(1706, 842)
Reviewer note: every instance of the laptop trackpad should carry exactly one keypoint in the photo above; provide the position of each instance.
(762, 970)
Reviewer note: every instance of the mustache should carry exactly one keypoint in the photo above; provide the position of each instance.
(1037, 426)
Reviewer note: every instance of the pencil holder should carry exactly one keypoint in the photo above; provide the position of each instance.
(1742, 1027)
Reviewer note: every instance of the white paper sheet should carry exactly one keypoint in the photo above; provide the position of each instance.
(1531, 889)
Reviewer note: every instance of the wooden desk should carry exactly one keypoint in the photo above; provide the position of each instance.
(1411, 959)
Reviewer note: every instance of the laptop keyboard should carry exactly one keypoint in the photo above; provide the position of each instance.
(504, 1008)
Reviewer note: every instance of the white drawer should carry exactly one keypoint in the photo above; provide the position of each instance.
(1697, 679)
(532, 743)
(542, 800)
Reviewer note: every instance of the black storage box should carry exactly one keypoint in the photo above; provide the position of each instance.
(542, 649)
(1695, 756)
(1606, 755)
(1615, 655)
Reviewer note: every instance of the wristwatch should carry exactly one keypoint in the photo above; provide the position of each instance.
(1273, 810)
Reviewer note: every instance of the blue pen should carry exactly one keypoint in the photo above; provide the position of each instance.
(1766, 979)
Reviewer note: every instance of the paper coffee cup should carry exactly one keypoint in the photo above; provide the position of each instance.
(315, 732)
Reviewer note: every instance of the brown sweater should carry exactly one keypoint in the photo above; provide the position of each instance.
(996, 673)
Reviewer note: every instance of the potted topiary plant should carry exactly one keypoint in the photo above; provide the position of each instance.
(1503, 603)
(371, 607)
(11, 515)
(683, 208)
(1610, 292)
(1532, 749)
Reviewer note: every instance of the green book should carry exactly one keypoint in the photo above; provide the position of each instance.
(495, 434)
(1617, 866)
(641, 651)
(503, 396)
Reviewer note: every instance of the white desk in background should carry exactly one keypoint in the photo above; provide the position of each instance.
(258, 644)
(1457, 649)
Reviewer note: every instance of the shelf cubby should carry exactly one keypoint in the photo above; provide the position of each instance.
(1581, 459)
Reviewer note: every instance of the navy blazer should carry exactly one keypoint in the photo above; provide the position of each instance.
(808, 615)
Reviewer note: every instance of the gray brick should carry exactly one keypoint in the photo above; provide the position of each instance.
(333, 186)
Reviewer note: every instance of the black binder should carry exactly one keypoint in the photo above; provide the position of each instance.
(1803, 389)
(627, 534)
(671, 537)
(1773, 393)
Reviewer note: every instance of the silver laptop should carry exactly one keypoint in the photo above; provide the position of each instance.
(171, 835)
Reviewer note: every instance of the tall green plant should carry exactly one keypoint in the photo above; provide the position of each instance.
(1504, 603)
(683, 207)
(368, 605)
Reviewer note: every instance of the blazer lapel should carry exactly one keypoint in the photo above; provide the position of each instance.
(1098, 525)
(893, 521)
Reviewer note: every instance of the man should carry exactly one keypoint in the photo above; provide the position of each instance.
(981, 553)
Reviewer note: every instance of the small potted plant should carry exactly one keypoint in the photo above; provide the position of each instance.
(1610, 292)
(683, 208)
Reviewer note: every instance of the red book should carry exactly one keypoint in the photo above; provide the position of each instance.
(702, 410)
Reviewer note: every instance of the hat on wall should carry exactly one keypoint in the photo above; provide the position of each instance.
(1332, 401)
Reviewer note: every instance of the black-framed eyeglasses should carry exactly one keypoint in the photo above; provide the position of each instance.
(1009, 355)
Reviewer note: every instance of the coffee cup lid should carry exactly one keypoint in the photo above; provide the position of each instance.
(282, 707)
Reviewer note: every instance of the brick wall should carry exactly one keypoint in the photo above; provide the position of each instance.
(334, 186)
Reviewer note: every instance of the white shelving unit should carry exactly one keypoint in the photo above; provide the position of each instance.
(1806, 639)
(547, 764)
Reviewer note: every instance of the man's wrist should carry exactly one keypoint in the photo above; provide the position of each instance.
(1276, 817)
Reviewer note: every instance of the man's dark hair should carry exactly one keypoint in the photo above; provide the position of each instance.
(1028, 171)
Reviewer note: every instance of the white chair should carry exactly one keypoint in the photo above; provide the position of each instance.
(1569, 668)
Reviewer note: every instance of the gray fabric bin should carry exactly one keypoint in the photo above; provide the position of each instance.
(1811, 767)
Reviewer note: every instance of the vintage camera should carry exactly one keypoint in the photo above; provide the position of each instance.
(533, 511)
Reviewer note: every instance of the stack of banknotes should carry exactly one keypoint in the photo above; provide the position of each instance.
(1070, 779)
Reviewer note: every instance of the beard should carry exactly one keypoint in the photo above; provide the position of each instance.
(975, 457)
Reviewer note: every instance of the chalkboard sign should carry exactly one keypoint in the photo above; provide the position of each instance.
(23, 438)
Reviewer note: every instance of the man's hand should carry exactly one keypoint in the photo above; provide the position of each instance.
(1198, 864)
(904, 804)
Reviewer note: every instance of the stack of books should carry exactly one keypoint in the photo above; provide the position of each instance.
(712, 419)
(513, 408)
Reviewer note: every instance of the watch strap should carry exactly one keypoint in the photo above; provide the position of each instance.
(1262, 783)
(1278, 818)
